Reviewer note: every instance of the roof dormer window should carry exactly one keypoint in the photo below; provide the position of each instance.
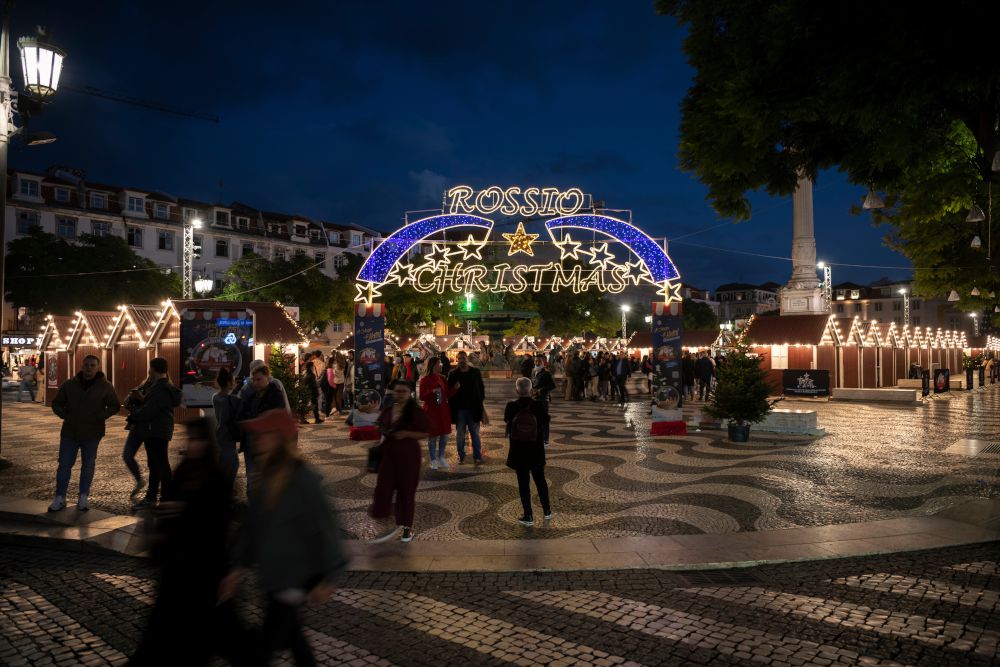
(136, 204)
(62, 195)
(98, 200)
(29, 188)
(222, 218)
(161, 211)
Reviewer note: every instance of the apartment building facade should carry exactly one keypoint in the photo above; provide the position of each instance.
(883, 301)
(738, 301)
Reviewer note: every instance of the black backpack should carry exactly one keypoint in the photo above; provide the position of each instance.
(524, 426)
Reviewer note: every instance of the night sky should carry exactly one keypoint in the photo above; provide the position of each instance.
(360, 111)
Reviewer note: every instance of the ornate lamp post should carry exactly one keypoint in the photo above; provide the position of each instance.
(203, 285)
(625, 309)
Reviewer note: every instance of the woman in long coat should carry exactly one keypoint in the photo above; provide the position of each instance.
(434, 393)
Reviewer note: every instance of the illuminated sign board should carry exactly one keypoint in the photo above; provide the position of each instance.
(19, 340)
(616, 256)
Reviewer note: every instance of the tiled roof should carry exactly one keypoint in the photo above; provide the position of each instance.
(791, 329)
(271, 323)
(699, 338)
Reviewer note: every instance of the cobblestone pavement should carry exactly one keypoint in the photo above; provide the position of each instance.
(919, 608)
(609, 478)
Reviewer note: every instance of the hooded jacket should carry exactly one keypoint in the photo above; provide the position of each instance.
(85, 406)
(155, 418)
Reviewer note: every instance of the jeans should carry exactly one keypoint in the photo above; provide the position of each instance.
(441, 440)
(704, 389)
(467, 421)
(68, 448)
(159, 467)
(26, 386)
(132, 444)
(524, 488)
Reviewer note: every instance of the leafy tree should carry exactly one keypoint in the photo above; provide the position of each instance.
(407, 310)
(698, 316)
(795, 86)
(295, 281)
(45, 273)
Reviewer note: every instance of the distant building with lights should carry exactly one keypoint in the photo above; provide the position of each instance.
(738, 301)
(882, 301)
(63, 202)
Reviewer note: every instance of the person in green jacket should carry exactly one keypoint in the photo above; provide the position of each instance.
(84, 403)
(290, 532)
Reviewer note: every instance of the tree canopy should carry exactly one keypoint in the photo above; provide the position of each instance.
(906, 102)
(295, 281)
(45, 273)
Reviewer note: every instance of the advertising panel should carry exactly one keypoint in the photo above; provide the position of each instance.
(369, 349)
(942, 380)
(52, 370)
(212, 340)
(667, 328)
(811, 382)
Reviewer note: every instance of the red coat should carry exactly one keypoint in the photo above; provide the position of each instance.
(438, 415)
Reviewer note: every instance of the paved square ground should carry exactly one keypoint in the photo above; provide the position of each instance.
(609, 478)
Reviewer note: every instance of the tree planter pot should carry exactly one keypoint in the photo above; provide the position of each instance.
(739, 433)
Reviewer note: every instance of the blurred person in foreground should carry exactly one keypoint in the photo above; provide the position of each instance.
(404, 426)
(292, 535)
(187, 625)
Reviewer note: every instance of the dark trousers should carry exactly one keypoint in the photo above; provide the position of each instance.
(159, 467)
(283, 629)
(328, 400)
(524, 476)
(315, 405)
(622, 391)
(704, 388)
(132, 444)
(399, 473)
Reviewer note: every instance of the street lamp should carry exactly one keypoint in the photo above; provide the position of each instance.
(906, 306)
(187, 261)
(625, 309)
(41, 65)
(203, 285)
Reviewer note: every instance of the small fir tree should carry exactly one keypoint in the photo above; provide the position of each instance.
(283, 369)
(742, 392)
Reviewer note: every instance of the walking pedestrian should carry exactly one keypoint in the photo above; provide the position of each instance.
(227, 433)
(187, 625)
(569, 370)
(704, 369)
(622, 371)
(687, 375)
(133, 441)
(27, 376)
(312, 384)
(526, 420)
(403, 426)
(84, 403)
(434, 393)
(154, 423)
(542, 385)
(337, 376)
(467, 394)
(292, 535)
(264, 397)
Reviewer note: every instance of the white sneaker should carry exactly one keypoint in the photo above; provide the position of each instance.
(434, 464)
(385, 537)
(443, 462)
(82, 504)
(58, 503)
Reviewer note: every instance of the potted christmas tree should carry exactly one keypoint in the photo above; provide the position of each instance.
(741, 393)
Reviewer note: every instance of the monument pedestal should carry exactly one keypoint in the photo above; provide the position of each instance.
(802, 301)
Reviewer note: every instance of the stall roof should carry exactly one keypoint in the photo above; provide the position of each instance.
(788, 329)
(141, 320)
(640, 339)
(57, 329)
(272, 324)
(97, 324)
(699, 339)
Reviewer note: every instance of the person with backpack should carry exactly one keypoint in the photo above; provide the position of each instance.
(227, 431)
(527, 419)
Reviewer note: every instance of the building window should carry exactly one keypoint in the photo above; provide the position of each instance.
(222, 218)
(66, 228)
(857, 308)
(340, 260)
(274, 229)
(355, 239)
(916, 321)
(100, 228)
(98, 200)
(218, 280)
(189, 214)
(914, 304)
(221, 248)
(26, 221)
(243, 224)
(855, 294)
(29, 188)
(321, 259)
(161, 211)
(840, 307)
(337, 327)
(246, 249)
(279, 253)
(779, 357)
(62, 195)
(165, 240)
(300, 230)
(299, 252)
(136, 205)
(134, 237)
(878, 308)
(334, 237)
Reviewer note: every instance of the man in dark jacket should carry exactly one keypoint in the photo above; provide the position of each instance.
(622, 370)
(467, 406)
(542, 384)
(84, 403)
(704, 369)
(526, 421)
(154, 423)
(264, 396)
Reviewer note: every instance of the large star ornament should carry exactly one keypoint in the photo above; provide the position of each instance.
(520, 241)
(438, 255)
(568, 248)
(366, 293)
(600, 255)
(670, 292)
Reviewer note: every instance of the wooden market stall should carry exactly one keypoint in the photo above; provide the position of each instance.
(699, 341)
(89, 336)
(128, 346)
(53, 346)
(795, 342)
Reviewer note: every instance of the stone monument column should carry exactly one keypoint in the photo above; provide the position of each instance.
(802, 295)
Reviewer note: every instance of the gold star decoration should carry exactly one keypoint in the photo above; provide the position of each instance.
(600, 255)
(471, 248)
(637, 272)
(366, 292)
(670, 292)
(520, 241)
(393, 276)
(438, 255)
(568, 248)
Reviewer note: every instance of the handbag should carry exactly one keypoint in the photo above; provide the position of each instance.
(374, 457)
